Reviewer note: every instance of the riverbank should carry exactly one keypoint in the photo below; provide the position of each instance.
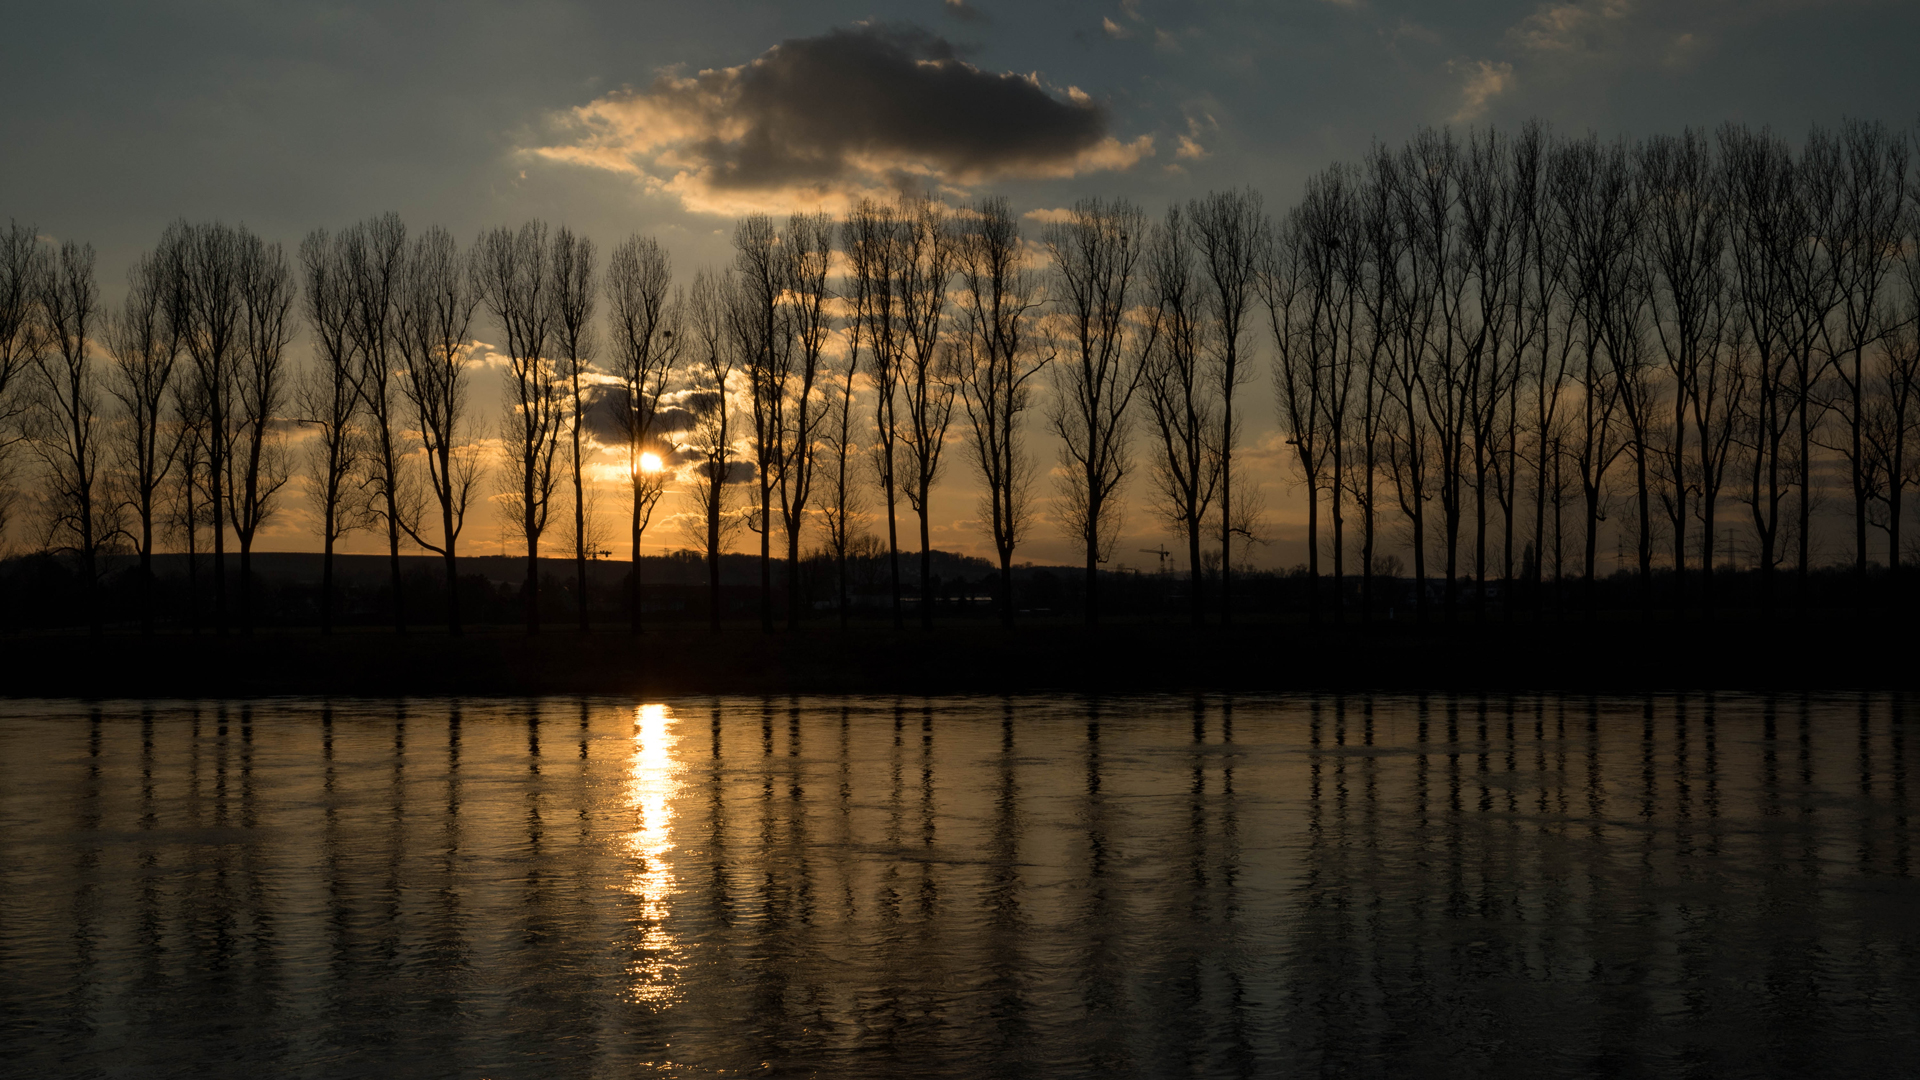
(965, 658)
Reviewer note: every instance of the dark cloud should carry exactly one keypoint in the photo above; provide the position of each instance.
(853, 109)
(601, 404)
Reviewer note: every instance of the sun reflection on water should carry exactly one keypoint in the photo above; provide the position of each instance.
(651, 786)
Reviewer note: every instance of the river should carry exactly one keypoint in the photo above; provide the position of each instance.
(970, 887)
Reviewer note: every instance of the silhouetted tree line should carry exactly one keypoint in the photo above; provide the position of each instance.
(1471, 335)
(1475, 340)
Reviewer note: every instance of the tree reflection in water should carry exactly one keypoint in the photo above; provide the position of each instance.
(1037, 886)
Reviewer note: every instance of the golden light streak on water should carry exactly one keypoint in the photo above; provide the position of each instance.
(651, 785)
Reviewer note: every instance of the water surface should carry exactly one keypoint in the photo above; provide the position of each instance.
(1041, 886)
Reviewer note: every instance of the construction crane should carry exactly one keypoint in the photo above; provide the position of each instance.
(1160, 551)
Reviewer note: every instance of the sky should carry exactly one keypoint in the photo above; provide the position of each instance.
(667, 119)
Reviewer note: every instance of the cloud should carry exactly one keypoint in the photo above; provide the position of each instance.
(1681, 51)
(602, 421)
(964, 11)
(1486, 80)
(819, 121)
(1048, 215)
(1114, 29)
(1581, 26)
(1190, 148)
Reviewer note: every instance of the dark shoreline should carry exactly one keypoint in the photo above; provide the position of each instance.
(1820, 654)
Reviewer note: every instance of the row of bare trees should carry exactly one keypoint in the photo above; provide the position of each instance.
(772, 373)
(194, 382)
(1471, 334)
(392, 318)
(1467, 335)
(944, 321)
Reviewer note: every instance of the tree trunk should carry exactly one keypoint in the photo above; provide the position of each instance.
(453, 571)
(1680, 505)
(219, 535)
(845, 614)
(633, 578)
(1588, 587)
(246, 584)
(579, 513)
(1645, 541)
(893, 560)
(1479, 536)
(146, 577)
(1339, 542)
(793, 577)
(766, 553)
(1313, 553)
(393, 560)
(1226, 510)
(1706, 556)
(1419, 557)
(1196, 600)
(1006, 589)
(1859, 494)
(1092, 610)
(1800, 583)
(926, 563)
(533, 579)
(713, 557)
(326, 578)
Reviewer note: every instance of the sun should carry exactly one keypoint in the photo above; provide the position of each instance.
(650, 463)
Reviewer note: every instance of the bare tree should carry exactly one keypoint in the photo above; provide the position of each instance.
(712, 368)
(1717, 397)
(433, 309)
(647, 343)
(763, 337)
(574, 289)
(843, 506)
(1096, 254)
(145, 355)
(1899, 410)
(1641, 409)
(1683, 249)
(1864, 244)
(807, 254)
(1377, 256)
(874, 243)
(1310, 304)
(1445, 364)
(1808, 260)
(22, 263)
(1759, 183)
(375, 254)
(1179, 394)
(511, 274)
(1595, 203)
(921, 270)
(64, 426)
(1490, 251)
(1226, 227)
(995, 361)
(1410, 285)
(256, 469)
(1891, 418)
(208, 261)
(188, 507)
(1544, 331)
(328, 400)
